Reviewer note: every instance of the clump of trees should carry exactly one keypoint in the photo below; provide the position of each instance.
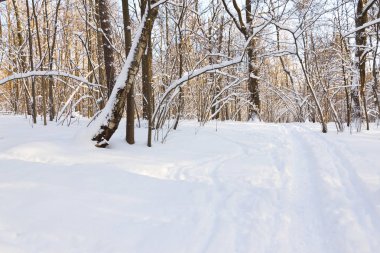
(158, 62)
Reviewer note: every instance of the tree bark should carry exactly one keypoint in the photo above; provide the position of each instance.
(1, 32)
(358, 86)
(146, 69)
(181, 101)
(375, 70)
(149, 94)
(253, 70)
(100, 55)
(20, 42)
(43, 83)
(51, 56)
(130, 131)
(30, 40)
(114, 109)
(145, 74)
(105, 25)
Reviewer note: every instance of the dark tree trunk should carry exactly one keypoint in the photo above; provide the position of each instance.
(113, 117)
(358, 91)
(100, 56)
(253, 71)
(145, 74)
(181, 102)
(253, 85)
(43, 83)
(146, 69)
(51, 56)
(180, 73)
(130, 131)
(347, 93)
(105, 25)
(211, 76)
(375, 70)
(149, 89)
(1, 31)
(146, 78)
(30, 40)
(20, 42)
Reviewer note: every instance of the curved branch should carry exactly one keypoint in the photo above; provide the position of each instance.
(47, 74)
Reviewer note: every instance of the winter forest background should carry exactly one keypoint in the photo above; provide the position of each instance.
(255, 126)
(267, 60)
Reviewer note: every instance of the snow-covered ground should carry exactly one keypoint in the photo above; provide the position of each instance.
(248, 187)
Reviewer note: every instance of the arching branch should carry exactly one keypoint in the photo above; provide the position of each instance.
(47, 74)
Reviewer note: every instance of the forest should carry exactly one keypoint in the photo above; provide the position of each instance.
(254, 124)
(159, 62)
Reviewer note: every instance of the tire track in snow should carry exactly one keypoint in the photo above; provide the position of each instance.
(217, 213)
(304, 212)
(223, 204)
(350, 215)
(299, 225)
(288, 213)
(242, 211)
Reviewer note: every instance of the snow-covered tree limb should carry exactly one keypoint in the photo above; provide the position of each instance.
(47, 74)
(368, 24)
(176, 84)
(108, 121)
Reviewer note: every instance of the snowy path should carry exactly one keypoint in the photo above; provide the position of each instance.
(245, 188)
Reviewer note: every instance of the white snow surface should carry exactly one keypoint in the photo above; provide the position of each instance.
(247, 187)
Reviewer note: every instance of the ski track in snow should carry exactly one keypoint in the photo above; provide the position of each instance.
(267, 188)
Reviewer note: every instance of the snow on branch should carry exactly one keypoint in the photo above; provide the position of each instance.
(209, 68)
(173, 88)
(367, 6)
(158, 3)
(106, 123)
(197, 72)
(368, 24)
(47, 74)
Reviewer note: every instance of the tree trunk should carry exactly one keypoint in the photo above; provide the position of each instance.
(145, 74)
(146, 69)
(130, 131)
(253, 71)
(253, 85)
(358, 85)
(375, 71)
(43, 83)
(100, 55)
(105, 25)
(180, 73)
(30, 40)
(51, 56)
(20, 42)
(113, 111)
(149, 89)
(181, 102)
(1, 32)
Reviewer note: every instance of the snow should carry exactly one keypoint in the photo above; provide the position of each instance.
(120, 82)
(368, 24)
(47, 73)
(176, 84)
(247, 187)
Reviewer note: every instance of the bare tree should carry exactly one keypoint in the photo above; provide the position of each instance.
(130, 130)
(246, 28)
(359, 75)
(30, 40)
(106, 28)
(111, 115)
